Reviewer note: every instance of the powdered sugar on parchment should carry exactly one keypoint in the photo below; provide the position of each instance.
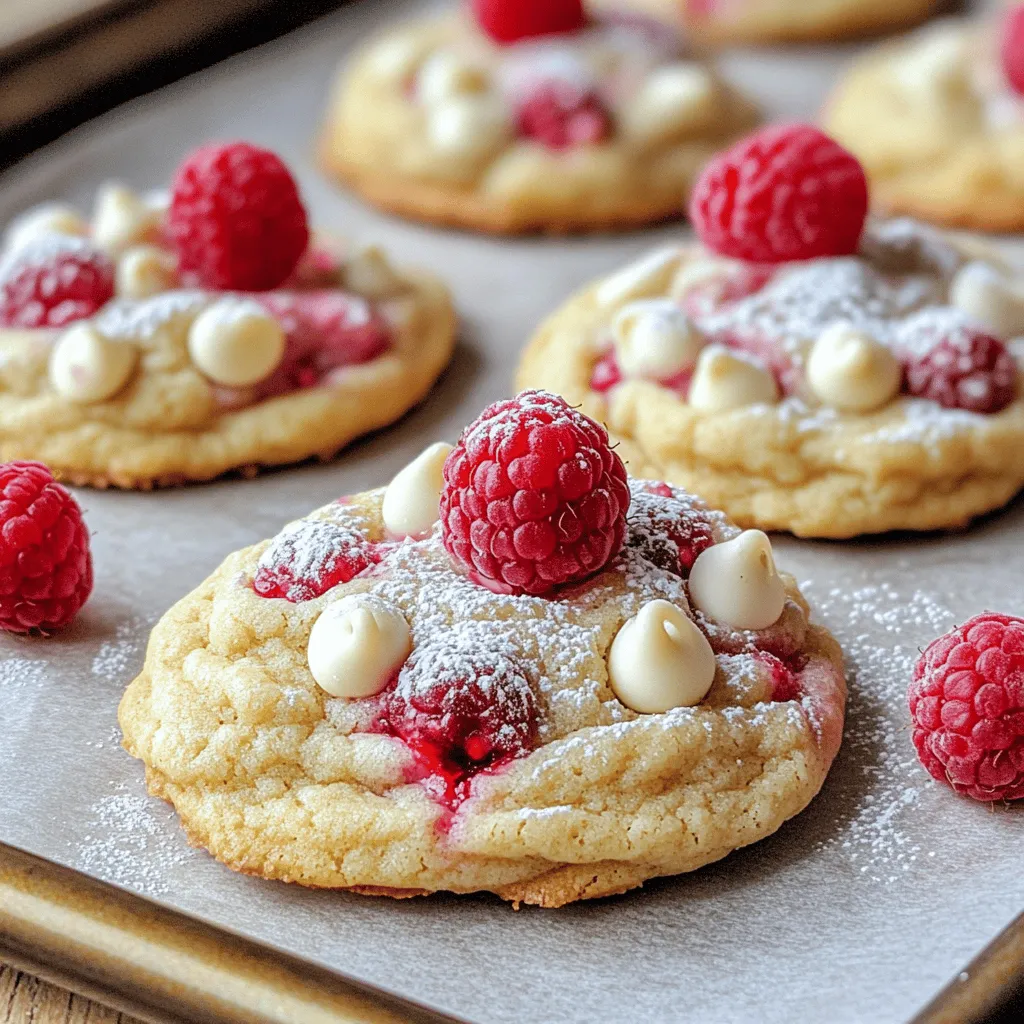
(880, 629)
(118, 658)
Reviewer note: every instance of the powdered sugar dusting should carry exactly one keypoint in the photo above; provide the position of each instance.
(876, 839)
(41, 252)
(140, 319)
(116, 659)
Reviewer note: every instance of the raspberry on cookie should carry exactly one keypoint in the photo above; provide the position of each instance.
(524, 674)
(175, 337)
(937, 119)
(514, 116)
(804, 368)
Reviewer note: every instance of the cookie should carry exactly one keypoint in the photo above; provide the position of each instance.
(603, 124)
(936, 120)
(831, 396)
(395, 696)
(173, 339)
(782, 21)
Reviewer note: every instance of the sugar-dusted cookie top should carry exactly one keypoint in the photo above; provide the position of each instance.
(528, 116)
(937, 119)
(567, 684)
(176, 336)
(800, 369)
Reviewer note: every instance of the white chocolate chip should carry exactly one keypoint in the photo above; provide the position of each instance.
(369, 273)
(144, 271)
(851, 371)
(411, 501)
(236, 342)
(46, 219)
(990, 298)
(469, 127)
(395, 59)
(660, 660)
(736, 582)
(122, 219)
(86, 367)
(646, 277)
(725, 380)
(934, 64)
(675, 99)
(446, 75)
(655, 339)
(356, 646)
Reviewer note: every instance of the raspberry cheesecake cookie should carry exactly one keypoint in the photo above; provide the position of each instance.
(513, 669)
(174, 338)
(798, 369)
(938, 121)
(780, 21)
(529, 115)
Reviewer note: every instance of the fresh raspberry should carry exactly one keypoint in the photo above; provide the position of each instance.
(785, 193)
(1011, 47)
(236, 219)
(534, 497)
(965, 369)
(54, 281)
(967, 706)
(508, 21)
(309, 557)
(667, 528)
(325, 330)
(562, 115)
(45, 564)
(785, 685)
(606, 373)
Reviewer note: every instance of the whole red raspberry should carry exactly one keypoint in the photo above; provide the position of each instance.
(1011, 47)
(325, 330)
(562, 115)
(466, 709)
(508, 21)
(967, 706)
(534, 497)
(54, 281)
(785, 193)
(309, 557)
(236, 220)
(667, 528)
(963, 370)
(45, 564)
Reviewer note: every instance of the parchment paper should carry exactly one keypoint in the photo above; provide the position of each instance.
(856, 911)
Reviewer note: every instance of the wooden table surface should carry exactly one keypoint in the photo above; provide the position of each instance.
(27, 1000)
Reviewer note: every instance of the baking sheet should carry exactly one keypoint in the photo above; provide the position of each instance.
(857, 911)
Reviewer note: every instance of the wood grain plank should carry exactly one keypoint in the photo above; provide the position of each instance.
(27, 1000)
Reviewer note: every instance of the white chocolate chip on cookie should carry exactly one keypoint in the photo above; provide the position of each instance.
(644, 278)
(46, 219)
(675, 99)
(851, 371)
(655, 339)
(236, 342)
(992, 299)
(660, 660)
(356, 646)
(395, 60)
(469, 127)
(934, 65)
(86, 367)
(144, 271)
(446, 75)
(725, 380)
(411, 501)
(122, 218)
(736, 582)
(370, 274)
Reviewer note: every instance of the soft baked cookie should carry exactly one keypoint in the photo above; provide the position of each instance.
(780, 21)
(938, 121)
(870, 385)
(528, 117)
(172, 339)
(510, 670)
